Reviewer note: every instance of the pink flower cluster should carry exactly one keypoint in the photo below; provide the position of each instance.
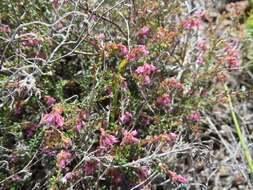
(164, 100)
(49, 100)
(202, 45)
(90, 167)
(143, 33)
(71, 176)
(194, 22)
(57, 3)
(170, 137)
(143, 173)
(123, 49)
(54, 118)
(203, 48)
(233, 57)
(173, 83)
(63, 159)
(5, 29)
(30, 42)
(129, 138)
(106, 140)
(116, 49)
(195, 117)
(136, 53)
(174, 177)
(145, 71)
(82, 118)
(125, 118)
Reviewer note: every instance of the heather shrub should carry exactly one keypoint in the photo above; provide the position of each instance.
(110, 94)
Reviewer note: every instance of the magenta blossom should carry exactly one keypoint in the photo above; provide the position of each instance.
(50, 100)
(48, 152)
(90, 167)
(174, 177)
(145, 69)
(233, 57)
(200, 60)
(167, 137)
(80, 125)
(125, 118)
(143, 33)
(195, 117)
(57, 3)
(136, 53)
(63, 159)
(164, 100)
(5, 29)
(143, 173)
(146, 80)
(123, 49)
(29, 42)
(106, 140)
(193, 23)
(70, 176)
(129, 137)
(182, 179)
(202, 45)
(101, 36)
(54, 118)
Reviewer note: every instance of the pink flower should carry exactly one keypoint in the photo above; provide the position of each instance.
(144, 31)
(136, 53)
(174, 177)
(233, 59)
(233, 55)
(145, 69)
(82, 118)
(202, 45)
(71, 176)
(80, 126)
(17, 178)
(50, 100)
(147, 80)
(106, 140)
(118, 49)
(54, 118)
(194, 117)
(143, 173)
(123, 49)
(182, 179)
(57, 3)
(125, 118)
(173, 83)
(63, 159)
(29, 42)
(5, 29)
(129, 138)
(145, 120)
(200, 60)
(164, 100)
(192, 23)
(90, 167)
(171, 137)
(101, 36)
(48, 152)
